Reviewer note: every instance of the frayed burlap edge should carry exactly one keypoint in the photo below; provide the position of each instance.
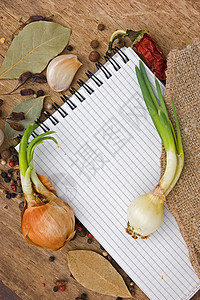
(183, 84)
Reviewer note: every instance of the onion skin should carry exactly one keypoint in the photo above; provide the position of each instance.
(145, 214)
(50, 225)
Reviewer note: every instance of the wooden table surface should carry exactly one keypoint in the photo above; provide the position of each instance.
(23, 268)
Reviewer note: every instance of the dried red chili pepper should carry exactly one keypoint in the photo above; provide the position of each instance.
(147, 47)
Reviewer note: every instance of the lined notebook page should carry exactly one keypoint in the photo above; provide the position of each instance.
(110, 153)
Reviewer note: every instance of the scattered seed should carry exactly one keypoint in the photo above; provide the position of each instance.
(12, 149)
(15, 158)
(55, 288)
(8, 196)
(40, 93)
(27, 92)
(21, 205)
(89, 241)
(89, 235)
(132, 283)
(105, 253)
(119, 298)
(11, 163)
(3, 162)
(61, 282)
(69, 48)
(43, 284)
(39, 78)
(16, 116)
(62, 288)
(7, 179)
(16, 126)
(101, 27)
(83, 296)
(36, 18)
(52, 258)
(6, 154)
(4, 174)
(13, 195)
(24, 77)
(78, 226)
(2, 40)
(49, 106)
(82, 233)
(94, 56)
(94, 44)
(1, 102)
(6, 206)
(13, 187)
(19, 189)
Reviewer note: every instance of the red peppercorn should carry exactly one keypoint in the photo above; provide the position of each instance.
(13, 187)
(89, 235)
(11, 163)
(43, 284)
(62, 288)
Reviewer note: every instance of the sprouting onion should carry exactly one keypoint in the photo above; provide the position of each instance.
(145, 213)
(47, 221)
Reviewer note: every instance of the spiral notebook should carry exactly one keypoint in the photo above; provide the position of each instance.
(110, 153)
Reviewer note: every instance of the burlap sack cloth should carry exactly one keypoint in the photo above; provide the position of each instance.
(183, 84)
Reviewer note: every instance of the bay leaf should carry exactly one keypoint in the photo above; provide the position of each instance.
(33, 47)
(96, 273)
(32, 110)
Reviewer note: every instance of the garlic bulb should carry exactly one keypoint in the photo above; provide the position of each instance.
(145, 214)
(61, 71)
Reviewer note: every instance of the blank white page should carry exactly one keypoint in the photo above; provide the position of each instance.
(110, 153)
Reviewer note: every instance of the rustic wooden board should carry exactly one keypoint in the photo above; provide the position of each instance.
(23, 268)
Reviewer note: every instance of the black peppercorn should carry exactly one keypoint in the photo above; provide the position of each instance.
(15, 158)
(12, 149)
(40, 93)
(89, 241)
(119, 298)
(69, 48)
(101, 27)
(8, 196)
(51, 258)
(7, 179)
(13, 195)
(55, 288)
(83, 296)
(4, 174)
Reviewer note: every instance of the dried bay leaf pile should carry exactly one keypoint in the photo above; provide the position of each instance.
(96, 273)
(33, 47)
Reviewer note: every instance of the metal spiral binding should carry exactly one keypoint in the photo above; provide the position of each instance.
(122, 54)
(65, 99)
(53, 120)
(61, 111)
(81, 83)
(44, 127)
(115, 65)
(96, 80)
(80, 97)
(101, 67)
(88, 89)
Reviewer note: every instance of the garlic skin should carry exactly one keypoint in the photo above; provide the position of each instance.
(49, 225)
(145, 215)
(61, 71)
(1, 137)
